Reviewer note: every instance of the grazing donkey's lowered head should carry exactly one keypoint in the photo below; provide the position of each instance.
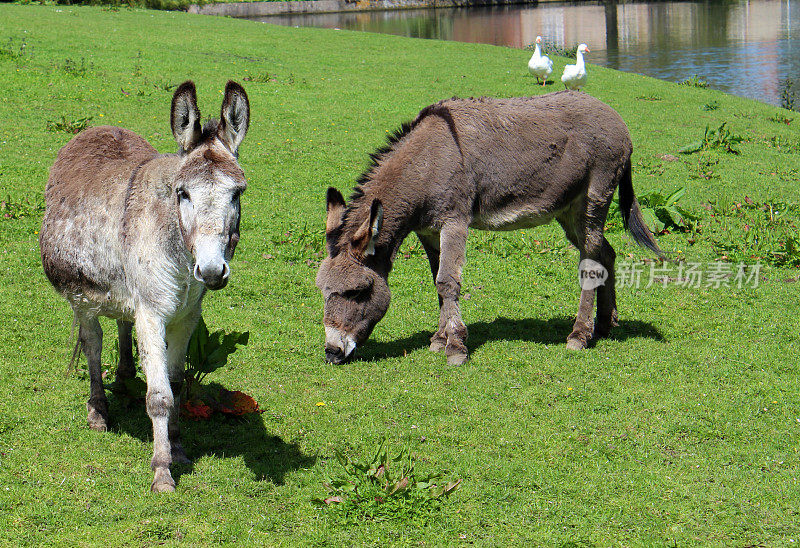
(352, 280)
(486, 164)
(139, 236)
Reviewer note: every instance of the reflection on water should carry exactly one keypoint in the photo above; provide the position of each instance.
(744, 48)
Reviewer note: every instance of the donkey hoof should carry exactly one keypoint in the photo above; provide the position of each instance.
(98, 424)
(162, 482)
(437, 344)
(575, 344)
(162, 487)
(458, 358)
(97, 417)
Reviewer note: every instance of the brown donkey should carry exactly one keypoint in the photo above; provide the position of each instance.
(490, 164)
(139, 236)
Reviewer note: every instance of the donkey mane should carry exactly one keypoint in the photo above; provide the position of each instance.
(382, 153)
(436, 109)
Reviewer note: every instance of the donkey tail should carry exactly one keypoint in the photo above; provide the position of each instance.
(632, 215)
(76, 351)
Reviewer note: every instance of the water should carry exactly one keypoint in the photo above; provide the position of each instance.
(747, 48)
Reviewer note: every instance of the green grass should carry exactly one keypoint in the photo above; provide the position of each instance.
(682, 429)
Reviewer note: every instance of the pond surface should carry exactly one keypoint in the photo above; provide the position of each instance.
(744, 48)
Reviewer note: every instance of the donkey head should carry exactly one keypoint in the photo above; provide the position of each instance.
(352, 280)
(209, 180)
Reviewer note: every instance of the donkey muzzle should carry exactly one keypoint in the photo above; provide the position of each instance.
(339, 346)
(210, 262)
(336, 355)
(213, 276)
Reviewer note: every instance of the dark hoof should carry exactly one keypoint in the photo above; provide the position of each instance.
(97, 416)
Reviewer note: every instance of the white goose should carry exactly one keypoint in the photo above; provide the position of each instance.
(574, 76)
(540, 65)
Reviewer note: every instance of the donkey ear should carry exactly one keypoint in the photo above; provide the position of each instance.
(335, 209)
(367, 234)
(185, 116)
(235, 116)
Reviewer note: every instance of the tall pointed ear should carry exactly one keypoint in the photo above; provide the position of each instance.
(185, 116)
(367, 234)
(336, 208)
(235, 116)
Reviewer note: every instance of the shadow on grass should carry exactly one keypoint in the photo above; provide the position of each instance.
(538, 331)
(268, 457)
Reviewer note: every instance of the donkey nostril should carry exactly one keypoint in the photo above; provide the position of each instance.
(197, 274)
(226, 271)
(333, 354)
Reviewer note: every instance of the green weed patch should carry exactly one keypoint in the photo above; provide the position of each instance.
(14, 51)
(720, 138)
(13, 208)
(76, 69)
(384, 488)
(660, 212)
(750, 231)
(71, 126)
(694, 82)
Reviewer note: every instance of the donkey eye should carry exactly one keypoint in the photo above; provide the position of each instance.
(354, 294)
(182, 194)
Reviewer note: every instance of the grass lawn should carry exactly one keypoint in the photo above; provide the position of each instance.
(681, 429)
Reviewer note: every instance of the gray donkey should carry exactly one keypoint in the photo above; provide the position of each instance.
(139, 236)
(489, 164)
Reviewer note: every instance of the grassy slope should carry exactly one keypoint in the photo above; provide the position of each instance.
(682, 428)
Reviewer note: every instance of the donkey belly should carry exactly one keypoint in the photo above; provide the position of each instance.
(82, 260)
(512, 218)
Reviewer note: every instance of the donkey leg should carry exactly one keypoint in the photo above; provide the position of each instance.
(125, 368)
(178, 335)
(584, 228)
(150, 330)
(582, 329)
(606, 295)
(91, 335)
(430, 243)
(576, 231)
(453, 242)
